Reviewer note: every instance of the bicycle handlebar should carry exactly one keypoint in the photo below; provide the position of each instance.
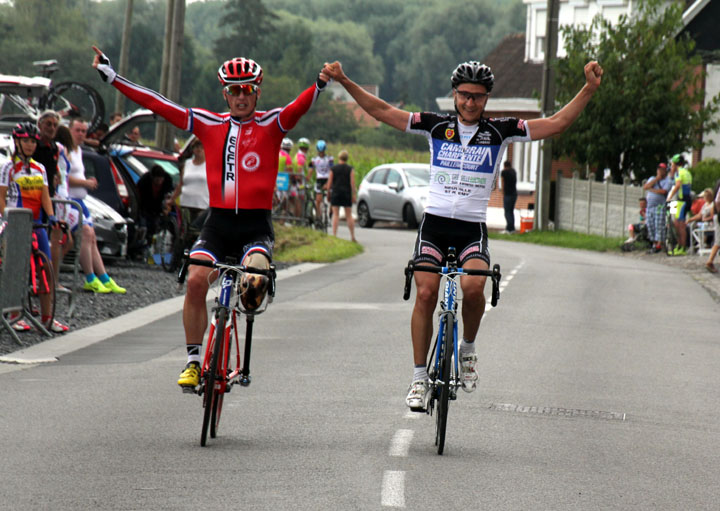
(187, 261)
(494, 275)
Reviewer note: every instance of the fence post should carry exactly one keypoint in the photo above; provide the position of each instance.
(591, 178)
(607, 201)
(624, 206)
(572, 201)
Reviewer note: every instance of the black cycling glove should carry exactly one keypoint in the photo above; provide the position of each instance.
(321, 84)
(107, 73)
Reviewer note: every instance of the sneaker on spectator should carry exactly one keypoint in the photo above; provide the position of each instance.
(21, 326)
(417, 396)
(112, 286)
(57, 327)
(468, 371)
(95, 286)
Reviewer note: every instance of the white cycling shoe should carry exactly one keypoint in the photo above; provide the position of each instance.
(417, 396)
(468, 371)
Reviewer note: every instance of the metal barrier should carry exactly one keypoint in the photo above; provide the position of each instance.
(16, 243)
(74, 255)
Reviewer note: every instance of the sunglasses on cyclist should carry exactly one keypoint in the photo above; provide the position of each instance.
(236, 89)
(475, 96)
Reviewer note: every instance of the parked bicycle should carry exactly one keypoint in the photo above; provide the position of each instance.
(70, 99)
(221, 369)
(443, 367)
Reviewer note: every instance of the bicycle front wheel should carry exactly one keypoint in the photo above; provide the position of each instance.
(211, 377)
(444, 398)
(221, 382)
(42, 282)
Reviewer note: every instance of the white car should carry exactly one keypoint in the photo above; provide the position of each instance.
(394, 192)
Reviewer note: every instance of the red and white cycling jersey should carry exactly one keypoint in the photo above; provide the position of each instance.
(241, 157)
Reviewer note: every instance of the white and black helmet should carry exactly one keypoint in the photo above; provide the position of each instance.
(473, 72)
(286, 144)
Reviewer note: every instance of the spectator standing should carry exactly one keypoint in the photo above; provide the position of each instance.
(154, 189)
(115, 117)
(96, 278)
(192, 188)
(657, 189)
(341, 187)
(710, 265)
(683, 189)
(508, 178)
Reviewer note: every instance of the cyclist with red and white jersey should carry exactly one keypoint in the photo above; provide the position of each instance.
(466, 150)
(241, 159)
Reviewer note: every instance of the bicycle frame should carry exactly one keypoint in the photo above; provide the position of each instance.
(443, 365)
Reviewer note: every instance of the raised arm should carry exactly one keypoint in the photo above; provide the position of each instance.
(561, 120)
(373, 105)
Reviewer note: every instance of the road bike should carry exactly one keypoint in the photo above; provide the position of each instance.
(70, 99)
(443, 361)
(221, 367)
(321, 219)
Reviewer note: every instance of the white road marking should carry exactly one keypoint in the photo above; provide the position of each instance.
(412, 415)
(393, 488)
(400, 444)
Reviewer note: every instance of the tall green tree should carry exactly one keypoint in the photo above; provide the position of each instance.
(650, 103)
(248, 25)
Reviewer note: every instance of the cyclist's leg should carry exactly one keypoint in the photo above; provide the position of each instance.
(255, 286)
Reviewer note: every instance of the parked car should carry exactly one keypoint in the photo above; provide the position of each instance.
(395, 192)
(118, 163)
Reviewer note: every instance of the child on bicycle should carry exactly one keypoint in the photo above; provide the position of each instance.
(23, 184)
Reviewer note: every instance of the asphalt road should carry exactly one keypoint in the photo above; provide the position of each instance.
(598, 390)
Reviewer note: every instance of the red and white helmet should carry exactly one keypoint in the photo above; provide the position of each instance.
(240, 70)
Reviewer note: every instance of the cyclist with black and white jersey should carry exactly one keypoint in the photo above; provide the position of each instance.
(321, 164)
(241, 159)
(465, 154)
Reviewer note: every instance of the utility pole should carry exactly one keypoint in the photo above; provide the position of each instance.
(542, 183)
(124, 54)
(171, 65)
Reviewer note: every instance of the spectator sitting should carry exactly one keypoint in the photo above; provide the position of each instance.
(154, 188)
(132, 136)
(639, 229)
(94, 138)
(716, 242)
(96, 278)
(115, 117)
(704, 218)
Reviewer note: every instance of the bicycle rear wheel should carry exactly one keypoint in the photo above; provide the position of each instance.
(75, 99)
(444, 398)
(211, 376)
(42, 281)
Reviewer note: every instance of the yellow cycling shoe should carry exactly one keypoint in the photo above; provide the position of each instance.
(112, 286)
(190, 377)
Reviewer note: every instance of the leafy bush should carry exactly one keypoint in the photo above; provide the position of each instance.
(705, 174)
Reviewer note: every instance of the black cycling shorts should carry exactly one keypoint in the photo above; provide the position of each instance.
(436, 234)
(229, 234)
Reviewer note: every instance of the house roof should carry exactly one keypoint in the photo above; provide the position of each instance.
(514, 77)
(700, 22)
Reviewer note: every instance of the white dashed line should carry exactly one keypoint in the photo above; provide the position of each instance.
(400, 444)
(393, 488)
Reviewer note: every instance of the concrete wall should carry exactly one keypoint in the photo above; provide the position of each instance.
(591, 207)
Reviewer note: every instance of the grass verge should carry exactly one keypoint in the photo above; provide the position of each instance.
(304, 245)
(566, 239)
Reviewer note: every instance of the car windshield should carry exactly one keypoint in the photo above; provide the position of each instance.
(147, 162)
(418, 176)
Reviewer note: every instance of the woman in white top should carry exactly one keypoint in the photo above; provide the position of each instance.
(192, 188)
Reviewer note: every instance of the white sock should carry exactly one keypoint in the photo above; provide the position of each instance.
(466, 347)
(420, 373)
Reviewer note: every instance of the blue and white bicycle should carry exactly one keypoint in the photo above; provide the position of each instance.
(443, 366)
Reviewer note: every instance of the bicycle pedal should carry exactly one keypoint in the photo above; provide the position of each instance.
(245, 381)
(189, 390)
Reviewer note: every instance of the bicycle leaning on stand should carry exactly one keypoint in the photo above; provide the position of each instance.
(221, 367)
(443, 367)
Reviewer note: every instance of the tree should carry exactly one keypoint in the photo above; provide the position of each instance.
(249, 25)
(650, 103)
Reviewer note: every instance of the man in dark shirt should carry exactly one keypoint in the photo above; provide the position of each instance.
(47, 150)
(153, 188)
(509, 186)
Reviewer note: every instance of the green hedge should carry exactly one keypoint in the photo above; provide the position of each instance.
(705, 174)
